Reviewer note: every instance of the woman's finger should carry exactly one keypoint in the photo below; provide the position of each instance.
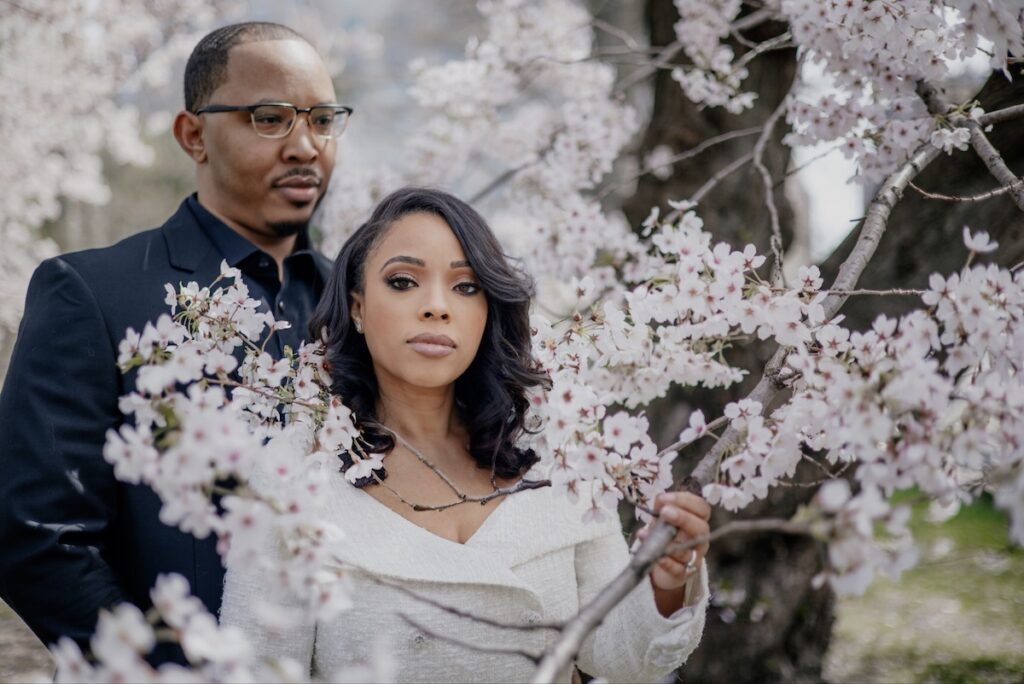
(691, 502)
(685, 555)
(673, 567)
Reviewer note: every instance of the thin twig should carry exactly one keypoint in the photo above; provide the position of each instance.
(753, 19)
(683, 443)
(261, 392)
(779, 42)
(499, 650)
(682, 156)
(627, 39)
(710, 184)
(780, 525)
(769, 194)
(966, 198)
(901, 292)
(668, 53)
(816, 158)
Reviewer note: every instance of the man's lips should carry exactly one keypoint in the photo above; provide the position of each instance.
(299, 189)
(432, 345)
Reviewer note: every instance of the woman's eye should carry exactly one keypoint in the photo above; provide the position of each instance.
(401, 282)
(467, 288)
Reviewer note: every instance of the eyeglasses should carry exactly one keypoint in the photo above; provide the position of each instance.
(277, 119)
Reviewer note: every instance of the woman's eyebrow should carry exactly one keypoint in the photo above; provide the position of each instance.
(404, 260)
(459, 264)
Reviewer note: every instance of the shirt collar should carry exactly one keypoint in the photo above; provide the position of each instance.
(232, 246)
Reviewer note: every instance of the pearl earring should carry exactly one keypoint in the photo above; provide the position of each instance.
(359, 327)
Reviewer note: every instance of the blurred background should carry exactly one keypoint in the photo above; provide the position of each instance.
(957, 617)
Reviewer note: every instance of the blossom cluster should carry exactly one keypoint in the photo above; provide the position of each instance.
(679, 303)
(236, 445)
(526, 98)
(874, 54)
(931, 401)
(714, 79)
(71, 71)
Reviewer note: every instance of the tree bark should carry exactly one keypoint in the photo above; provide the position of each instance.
(765, 623)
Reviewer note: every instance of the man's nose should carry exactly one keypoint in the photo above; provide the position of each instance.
(302, 144)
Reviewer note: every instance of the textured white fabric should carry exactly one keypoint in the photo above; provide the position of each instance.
(532, 561)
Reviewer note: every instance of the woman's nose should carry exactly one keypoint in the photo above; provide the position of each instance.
(435, 307)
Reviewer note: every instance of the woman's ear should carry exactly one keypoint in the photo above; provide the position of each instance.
(188, 131)
(356, 309)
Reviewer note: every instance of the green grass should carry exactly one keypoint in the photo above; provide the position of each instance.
(958, 616)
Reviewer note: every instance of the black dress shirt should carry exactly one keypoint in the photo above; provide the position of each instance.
(292, 300)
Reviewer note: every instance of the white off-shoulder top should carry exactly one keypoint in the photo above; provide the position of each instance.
(532, 561)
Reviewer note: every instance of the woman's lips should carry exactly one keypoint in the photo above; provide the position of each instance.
(433, 346)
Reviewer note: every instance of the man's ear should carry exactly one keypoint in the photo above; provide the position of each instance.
(188, 131)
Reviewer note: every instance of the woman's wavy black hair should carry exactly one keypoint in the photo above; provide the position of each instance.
(490, 396)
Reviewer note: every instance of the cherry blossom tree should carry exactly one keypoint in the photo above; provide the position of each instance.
(71, 71)
(930, 399)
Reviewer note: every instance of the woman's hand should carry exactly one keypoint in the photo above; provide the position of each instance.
(688, 513)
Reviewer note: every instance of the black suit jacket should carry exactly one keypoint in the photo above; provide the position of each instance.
(73, 539)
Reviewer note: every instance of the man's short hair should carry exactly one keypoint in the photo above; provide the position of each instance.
(207, 66)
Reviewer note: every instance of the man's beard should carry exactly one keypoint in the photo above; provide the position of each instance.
(288, 228)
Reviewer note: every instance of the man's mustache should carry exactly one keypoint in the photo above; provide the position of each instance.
(307, 173)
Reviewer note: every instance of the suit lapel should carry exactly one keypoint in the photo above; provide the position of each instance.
(187, 243)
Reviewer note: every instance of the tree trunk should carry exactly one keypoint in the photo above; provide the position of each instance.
(925, 235)
(766, 623)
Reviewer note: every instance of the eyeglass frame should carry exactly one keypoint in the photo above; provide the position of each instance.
(217, 109)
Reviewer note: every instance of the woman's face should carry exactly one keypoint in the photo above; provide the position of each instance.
(422, 310)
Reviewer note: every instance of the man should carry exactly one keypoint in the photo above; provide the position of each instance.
(73, 540)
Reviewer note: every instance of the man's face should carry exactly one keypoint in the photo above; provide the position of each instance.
(268, 186)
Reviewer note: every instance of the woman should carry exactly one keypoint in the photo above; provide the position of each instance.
(428, 342)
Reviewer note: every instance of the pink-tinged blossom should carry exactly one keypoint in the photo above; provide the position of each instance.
(621, 430)
(363, 466)
(949, 139)
(121, 634)
(696, 428)
(979, 242)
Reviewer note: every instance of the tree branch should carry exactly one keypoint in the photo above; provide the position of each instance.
(988, 153)
(993, 160)
(654, 547)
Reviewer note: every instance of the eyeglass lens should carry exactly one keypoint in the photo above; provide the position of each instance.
(275, 121)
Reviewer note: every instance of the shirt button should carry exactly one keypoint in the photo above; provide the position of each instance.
(280, 306)
(264, 262)
(531, 617)
(419, 641)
